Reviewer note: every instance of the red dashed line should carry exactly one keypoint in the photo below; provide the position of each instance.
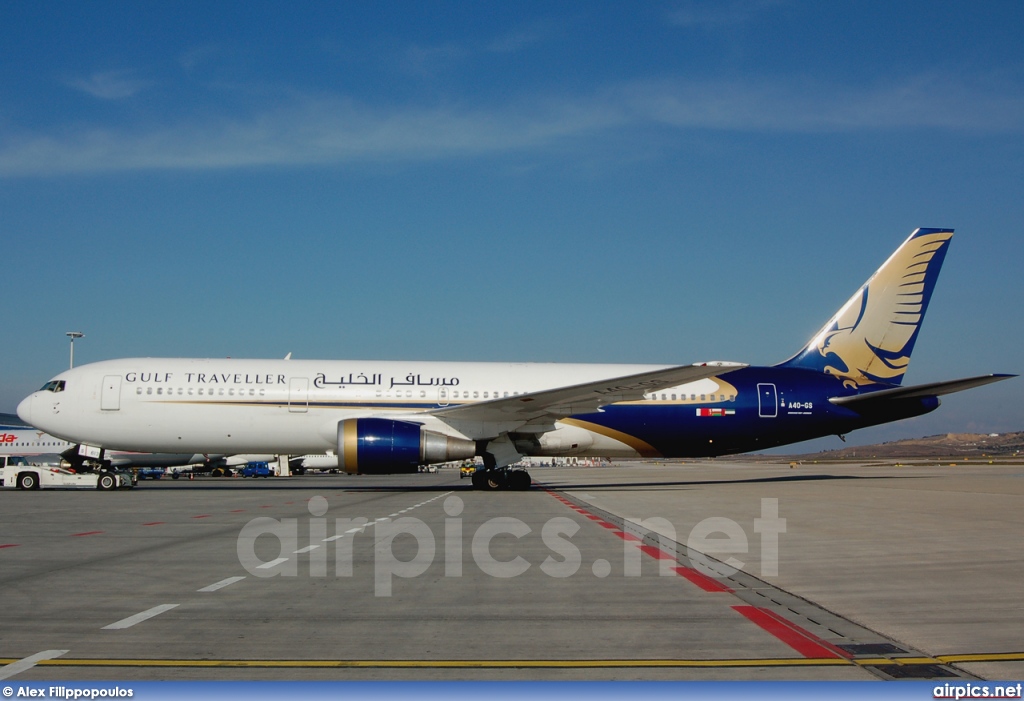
(806, 643)
(9, 545)
(202, 516)
(656, 553)
(236, 511)
(74, 535)
(702, 580)
(803, 641)
(154, 523)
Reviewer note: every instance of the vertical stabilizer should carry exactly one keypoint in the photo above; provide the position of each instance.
(869, 340)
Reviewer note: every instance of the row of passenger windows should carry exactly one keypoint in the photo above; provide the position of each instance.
(455, 394)
(211, 391)
(693, 397)
(32, 444)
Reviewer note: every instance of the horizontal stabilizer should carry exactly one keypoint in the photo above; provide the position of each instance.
(932, 389)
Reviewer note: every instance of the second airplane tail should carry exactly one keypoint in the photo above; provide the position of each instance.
(870, 339)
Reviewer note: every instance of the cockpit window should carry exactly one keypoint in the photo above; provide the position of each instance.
(53, 386)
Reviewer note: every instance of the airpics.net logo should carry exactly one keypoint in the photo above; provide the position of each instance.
(406, 547)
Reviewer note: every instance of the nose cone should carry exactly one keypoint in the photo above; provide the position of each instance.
(25, 410)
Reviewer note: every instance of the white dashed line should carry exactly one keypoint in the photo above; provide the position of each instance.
(222, 583)
(272, 563)
(359, 529)
(140, 617)
(308, 548)
(29, 662)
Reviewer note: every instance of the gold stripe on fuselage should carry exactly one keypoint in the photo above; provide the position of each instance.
(645, 449)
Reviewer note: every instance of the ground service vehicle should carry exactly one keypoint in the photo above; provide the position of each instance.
(15, 473)
(256, 469)
(150, 473)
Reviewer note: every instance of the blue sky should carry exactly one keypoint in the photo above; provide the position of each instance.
(662, 182)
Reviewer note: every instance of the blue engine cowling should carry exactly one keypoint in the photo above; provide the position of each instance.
(386, 447)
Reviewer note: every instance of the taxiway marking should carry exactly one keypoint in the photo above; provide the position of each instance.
(272, 563)
(221, 584)
(804, 642)
(54, 660)
(140, 617)
(19, 666)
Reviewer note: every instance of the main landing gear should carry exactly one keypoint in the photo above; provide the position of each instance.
(515, 480)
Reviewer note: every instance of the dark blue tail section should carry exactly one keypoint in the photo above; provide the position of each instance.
(869, 341)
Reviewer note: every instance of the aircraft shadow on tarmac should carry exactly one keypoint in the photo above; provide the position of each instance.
(642, 486)
(465, 486)
(300, 484)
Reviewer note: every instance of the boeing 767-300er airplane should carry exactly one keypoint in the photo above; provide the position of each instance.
(391, 417)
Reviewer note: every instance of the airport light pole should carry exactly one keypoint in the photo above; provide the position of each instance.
(73, 335)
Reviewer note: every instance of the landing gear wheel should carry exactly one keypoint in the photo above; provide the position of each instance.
(519, 480)
(107, 481)
(491, 480)
(28, 480)
(478, 480)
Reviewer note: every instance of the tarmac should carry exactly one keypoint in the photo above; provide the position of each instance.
(695, 570)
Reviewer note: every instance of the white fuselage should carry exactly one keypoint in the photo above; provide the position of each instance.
(286, 406)
(22, 440)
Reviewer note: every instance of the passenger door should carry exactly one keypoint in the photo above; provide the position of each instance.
(298, 395)
(110, 397)
(767, 401)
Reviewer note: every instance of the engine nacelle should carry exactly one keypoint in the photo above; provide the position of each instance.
(386, 447)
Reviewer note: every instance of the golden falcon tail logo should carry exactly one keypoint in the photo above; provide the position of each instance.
(869, 340)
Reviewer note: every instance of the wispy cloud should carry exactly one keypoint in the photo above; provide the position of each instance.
(430, 60)
(709, 14)
(518, 39)
(338, 131)
(196, 56)
(924, 101)
(110, 85)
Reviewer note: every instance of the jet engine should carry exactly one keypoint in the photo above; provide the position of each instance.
(386, 447)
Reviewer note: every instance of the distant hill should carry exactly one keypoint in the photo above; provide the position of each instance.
(968, 445)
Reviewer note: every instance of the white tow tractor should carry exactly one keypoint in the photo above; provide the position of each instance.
(16, 472)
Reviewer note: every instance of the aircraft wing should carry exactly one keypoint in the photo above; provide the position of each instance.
(933, 389)
(554, 404)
